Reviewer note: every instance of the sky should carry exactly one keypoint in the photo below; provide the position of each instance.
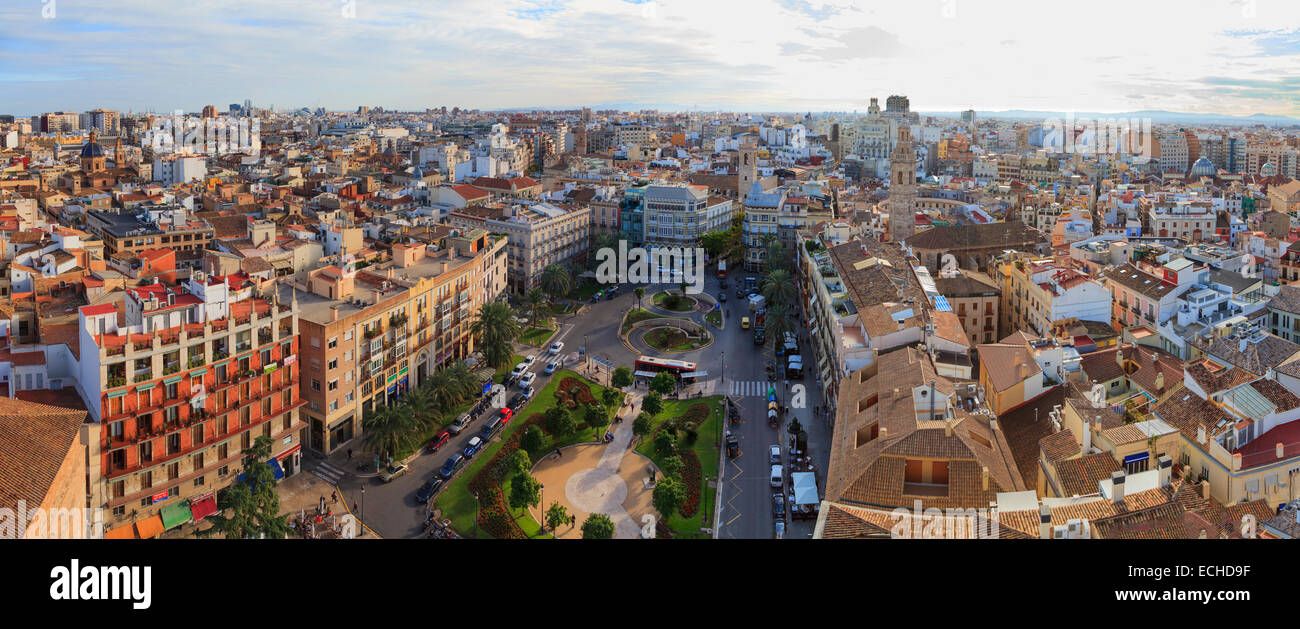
(1236, 57)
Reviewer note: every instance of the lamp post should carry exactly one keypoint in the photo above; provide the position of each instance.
(363, 502)
(541, 488)
(475, 516)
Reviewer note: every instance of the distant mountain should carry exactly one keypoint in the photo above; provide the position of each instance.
(1156, 115)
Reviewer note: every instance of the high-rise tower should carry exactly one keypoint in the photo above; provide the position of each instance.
(748, 172)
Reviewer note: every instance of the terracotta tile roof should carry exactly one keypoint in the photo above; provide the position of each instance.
(37, 438)
(1059, 445)
(1005, 235)
(1256, 357)
(1280, 396)
(843, 521)
(1079, 477)
(1188, 412)
(1214, 378)
(1015, 362)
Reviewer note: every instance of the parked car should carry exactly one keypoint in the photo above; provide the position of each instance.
(744, 323)
(597, 295)
(451, 465)
(778, 506)
(551, 367)
(392, 472)
(556, 347)
(460, 424)
(722, 283)
(528, 394)
(518, 370)
(517, 401)
(527, 380)
(475, 444)
(779, 529)
(722, 297)
(528, 361)
(777, 477)
(504, 415)
(774, 455)
(439, 440)
(428, 489)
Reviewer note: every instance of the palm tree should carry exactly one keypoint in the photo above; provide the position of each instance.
(385, 431)
(779, 288)
(640, 292)
(451, 386)
(777, 256)
(600, 240)
(556, 281)
(538, 307)
(419, 404)
(779, 322)
(496, 330)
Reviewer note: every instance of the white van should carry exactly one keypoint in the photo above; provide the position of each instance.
(777, 477)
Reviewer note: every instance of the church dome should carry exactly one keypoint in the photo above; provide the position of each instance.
(1203, 166)
(1269, 169)
(92, 149)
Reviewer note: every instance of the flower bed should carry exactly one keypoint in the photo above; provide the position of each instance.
(691, 476)
(494, 514)
(573, 393)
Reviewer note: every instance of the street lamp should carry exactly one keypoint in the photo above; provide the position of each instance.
(542, 490)
(363, 502)
(475, 516)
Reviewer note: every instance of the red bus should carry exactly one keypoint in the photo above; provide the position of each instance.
(651, 365)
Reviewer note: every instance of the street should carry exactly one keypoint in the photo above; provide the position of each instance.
(745, 510)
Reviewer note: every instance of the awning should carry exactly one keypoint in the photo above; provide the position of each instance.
(203, 507)
(121, 532)
(695, 374)
(151, 527)
(805, 488)
(644, 374)
(275, 468)
(175, 515)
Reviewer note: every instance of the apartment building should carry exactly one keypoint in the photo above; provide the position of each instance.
(1192, 221)
(539, 234)
(975, 299)
(678, 215)
(188, 380)
(1038, 292)
(370, 335)
(131, 233)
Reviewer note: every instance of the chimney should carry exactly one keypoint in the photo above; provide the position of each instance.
(1202, 535)
(993, 423)
(1160, 380)
(1281, 450)
(334, 313)
(984, 478)
(884, 432)
(1241, 346)
(1200, 435)
(1166, 466)
(1044, 522)
(1236, 462)
(1205, 490)
(1087, 440)
(947, 427)
(1117, 486)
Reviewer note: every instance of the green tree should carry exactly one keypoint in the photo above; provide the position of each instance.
(533, 440)
(598, 526)
(652, 403)
(556, 516)
(672, 466)
(597, 417)
(519, 462)
(663, 383)
(609, 397)
(556, 281)
(525, 491)
(385, 431)
(778, 323)
(665, 445)
(669, 496)
(715, 243)
(778, 256)
(779, 288)
(559, 421)
(641, 425)
(640, 292)
(538, 306)
(252, 505)
(622, 377)
(496, 330)
(424, 413)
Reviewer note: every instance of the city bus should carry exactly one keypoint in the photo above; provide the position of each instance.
(648, 366)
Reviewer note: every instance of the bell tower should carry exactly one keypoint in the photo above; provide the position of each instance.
(747, 174)
(902, 188)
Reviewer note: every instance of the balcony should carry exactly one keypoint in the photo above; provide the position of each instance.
(171, 368)
(143, 376)
(197, 361)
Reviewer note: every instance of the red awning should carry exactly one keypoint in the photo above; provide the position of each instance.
(203, 507)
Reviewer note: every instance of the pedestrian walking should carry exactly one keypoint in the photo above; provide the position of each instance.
(349, 454)
(334, 497)
(557, 453)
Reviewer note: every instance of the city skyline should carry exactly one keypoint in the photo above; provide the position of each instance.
(779, 55)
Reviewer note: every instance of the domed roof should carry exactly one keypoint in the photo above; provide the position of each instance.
(92, 149)
(1203, 166)
(390, 151)
(417, 173)
(1268, 169)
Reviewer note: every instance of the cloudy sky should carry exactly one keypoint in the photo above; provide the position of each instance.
(1222, 56)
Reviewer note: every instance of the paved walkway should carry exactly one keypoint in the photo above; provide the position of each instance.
(600, 479)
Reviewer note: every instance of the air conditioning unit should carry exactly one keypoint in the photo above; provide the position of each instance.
(1060, 532)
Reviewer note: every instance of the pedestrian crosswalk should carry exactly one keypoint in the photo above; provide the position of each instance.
(748, 388)
(326, 472)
